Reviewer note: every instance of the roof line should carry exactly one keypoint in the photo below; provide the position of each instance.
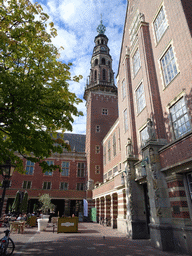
(123, 37)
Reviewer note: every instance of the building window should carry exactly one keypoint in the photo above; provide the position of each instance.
(103, 61)
(114, 144)
(80, 186)
(95, 75)
(104, 155)
(81, 170)
(104, 111)
(104, 74)
(160, 24)
(29, 167)
(144, 135)
(168, 65)
(119, 139)
(140, 96)
(97, 149)
(109, 151)
(27, 184)
(65, 169)
(136, 62)
(96, 62)
(97, 169)
(189, 181)
(180, 118)
(64, 186)
(123, 90)
(115, 169)
(97, 129)
(105, 176)
(110, 174)
(125, 120)
(46, 185)
(49, 173)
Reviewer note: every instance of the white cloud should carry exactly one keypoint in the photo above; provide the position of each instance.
(76, 22)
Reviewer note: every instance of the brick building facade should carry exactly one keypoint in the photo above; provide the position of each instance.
(147, 170)
(66, 188)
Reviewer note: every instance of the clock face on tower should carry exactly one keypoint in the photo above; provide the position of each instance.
(103, 48)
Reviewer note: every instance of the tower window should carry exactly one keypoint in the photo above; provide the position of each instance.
(96, 62)
(97, 169)
(97, 128)
(109, 63)
(95, 75)
(97, 149)
(103, 61)
(104, 111)
(104, 74)
(102, 41)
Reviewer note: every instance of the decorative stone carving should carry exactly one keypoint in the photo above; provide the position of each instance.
(129, 147)
(154, 172)
(151, 129)
(129, 197)
(141, 17)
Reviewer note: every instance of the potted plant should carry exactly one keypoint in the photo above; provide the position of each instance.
(46, 206)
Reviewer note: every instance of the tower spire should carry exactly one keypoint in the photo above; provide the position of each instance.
(101, 28)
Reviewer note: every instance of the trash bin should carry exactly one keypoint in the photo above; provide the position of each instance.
(67, 224)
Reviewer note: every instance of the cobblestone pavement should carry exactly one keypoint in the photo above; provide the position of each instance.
(91, 240)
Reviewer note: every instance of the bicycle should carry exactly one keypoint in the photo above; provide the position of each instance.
(7, 245)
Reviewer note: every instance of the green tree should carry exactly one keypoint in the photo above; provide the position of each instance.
(15, 206)
(46, 204)
(24, 203)
(35, 100)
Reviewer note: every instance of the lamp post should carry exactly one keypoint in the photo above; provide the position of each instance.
(7, 171)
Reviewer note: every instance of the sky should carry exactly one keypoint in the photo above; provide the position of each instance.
(76, 22)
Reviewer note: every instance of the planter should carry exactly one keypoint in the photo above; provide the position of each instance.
(46, 216)
(42, 224)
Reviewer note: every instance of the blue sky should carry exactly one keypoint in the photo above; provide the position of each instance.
(76, 22)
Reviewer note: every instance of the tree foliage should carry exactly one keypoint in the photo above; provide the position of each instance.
(35, 100)
(15, 206)
(46, 204)
(24, 204)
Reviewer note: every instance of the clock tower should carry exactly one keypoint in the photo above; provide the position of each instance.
(102, 106)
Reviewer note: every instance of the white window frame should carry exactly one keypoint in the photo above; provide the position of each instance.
(159, 32)
(136, 62)
(27, 183)
(164, 69)
(81, 186)
(125, 119)
(80, 169)
(123, 90)
(140, 98)
(30, 165)
(175, 119)
(144, 139)
(64, 183)
(65, 168)
(49, 173)
(46, 182)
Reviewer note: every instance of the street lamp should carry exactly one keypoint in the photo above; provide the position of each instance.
(7, 171)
